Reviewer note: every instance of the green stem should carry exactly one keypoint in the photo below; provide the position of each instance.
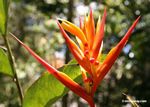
(12, 63)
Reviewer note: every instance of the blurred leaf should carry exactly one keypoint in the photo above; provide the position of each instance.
(4, 64)
(3, 16)
(46, 90)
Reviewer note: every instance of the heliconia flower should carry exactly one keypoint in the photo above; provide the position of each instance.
(87, 54)
(89, 41)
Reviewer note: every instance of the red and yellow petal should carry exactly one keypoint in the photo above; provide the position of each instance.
(77, 53)
(99, 36)
(90, 29)
(71, 28)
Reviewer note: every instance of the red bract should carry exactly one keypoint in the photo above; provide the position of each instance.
(87, 54)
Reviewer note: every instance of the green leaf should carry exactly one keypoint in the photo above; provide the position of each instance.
(5, 67)
(3, 16)
(46, 90)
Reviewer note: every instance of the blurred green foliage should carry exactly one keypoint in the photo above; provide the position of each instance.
(34, 22)
(3, 16)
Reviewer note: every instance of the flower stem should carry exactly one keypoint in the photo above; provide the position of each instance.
(92, 104)
(12, 64)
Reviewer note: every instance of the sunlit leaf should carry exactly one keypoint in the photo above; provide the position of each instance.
(4, 64)
(46, 90)
(3, 16)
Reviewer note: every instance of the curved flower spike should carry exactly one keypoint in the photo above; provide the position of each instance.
(62, 77)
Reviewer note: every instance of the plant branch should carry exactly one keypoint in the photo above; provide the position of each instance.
(12, 64)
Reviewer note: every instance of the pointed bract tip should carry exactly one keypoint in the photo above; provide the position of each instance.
(136, 21)
(138, 18)
(15, 38)
(59, 20)
(91, 10)
(105, 8)
(105, 11)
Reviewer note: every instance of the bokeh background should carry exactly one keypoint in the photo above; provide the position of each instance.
(34, 23)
